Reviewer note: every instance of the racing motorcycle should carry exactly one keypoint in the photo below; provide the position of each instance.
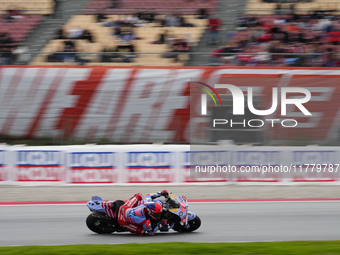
(175, 211)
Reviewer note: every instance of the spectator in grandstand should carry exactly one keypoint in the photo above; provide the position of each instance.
(146, 16)
(330, 57)
(13, 13)
(56, 7)
(107, 55)
(7, 16)
(162, 37)
(125, 53)
(337, 61)
(87, 35)
(278, 9)
(116, 29)
(69, 55)
(317, 13)
(294, 59)
(101, 17)
(258, 32)
(216, 56)
(127, 36)
(292, 8)
(214, 28)
(75, 33)
(114, 4)
(171, 21)
(314, 58)
(275, 48)
(60, 34)
(56, 56)
(203, 11)
(158, 22)
(123, 22)
(21, 54)
(65, 53)
(69, 43)
(323, 25)
(179, 45)
(83, 57)
(126, 33)
(7, 45)
(305, 34)
(6, 56)
(334, 37)
(122, 26)
(181, 20)
(3, 36)
(246, 21)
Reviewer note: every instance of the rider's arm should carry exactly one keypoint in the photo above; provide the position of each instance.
(152, 196)
(147, 226)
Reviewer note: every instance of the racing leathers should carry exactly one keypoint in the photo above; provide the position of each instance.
(110, 206)
(135, 214)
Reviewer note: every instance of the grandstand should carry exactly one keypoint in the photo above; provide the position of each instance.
(305, 6)
(290, 34)
(151, 37)
(185, 38)
(39, 7)
(145, 35)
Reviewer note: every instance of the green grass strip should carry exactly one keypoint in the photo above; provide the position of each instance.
(270, 248)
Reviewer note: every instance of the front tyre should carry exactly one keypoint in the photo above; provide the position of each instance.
(194, 225)
(99, 224)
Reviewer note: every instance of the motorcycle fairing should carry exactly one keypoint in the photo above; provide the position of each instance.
(95, 204)
(182, 211)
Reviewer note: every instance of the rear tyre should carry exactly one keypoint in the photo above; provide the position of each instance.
(99, 224)
(194, 225)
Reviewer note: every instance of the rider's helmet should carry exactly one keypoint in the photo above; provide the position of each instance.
(154, 209)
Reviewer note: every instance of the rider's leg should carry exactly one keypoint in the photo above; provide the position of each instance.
(134, 229)
(136, 200)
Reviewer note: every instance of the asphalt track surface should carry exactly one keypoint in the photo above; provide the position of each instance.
(221, 222)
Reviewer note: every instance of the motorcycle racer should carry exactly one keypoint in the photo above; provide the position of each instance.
(147, 216)
(136, 214)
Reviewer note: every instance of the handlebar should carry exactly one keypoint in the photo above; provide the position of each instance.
(170, 202)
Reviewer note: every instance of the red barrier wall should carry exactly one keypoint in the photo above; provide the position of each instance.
(149, 104)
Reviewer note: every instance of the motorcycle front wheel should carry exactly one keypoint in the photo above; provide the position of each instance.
(194, 225)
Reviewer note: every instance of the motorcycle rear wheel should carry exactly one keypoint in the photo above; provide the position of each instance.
(194, 225)
(98, 224)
